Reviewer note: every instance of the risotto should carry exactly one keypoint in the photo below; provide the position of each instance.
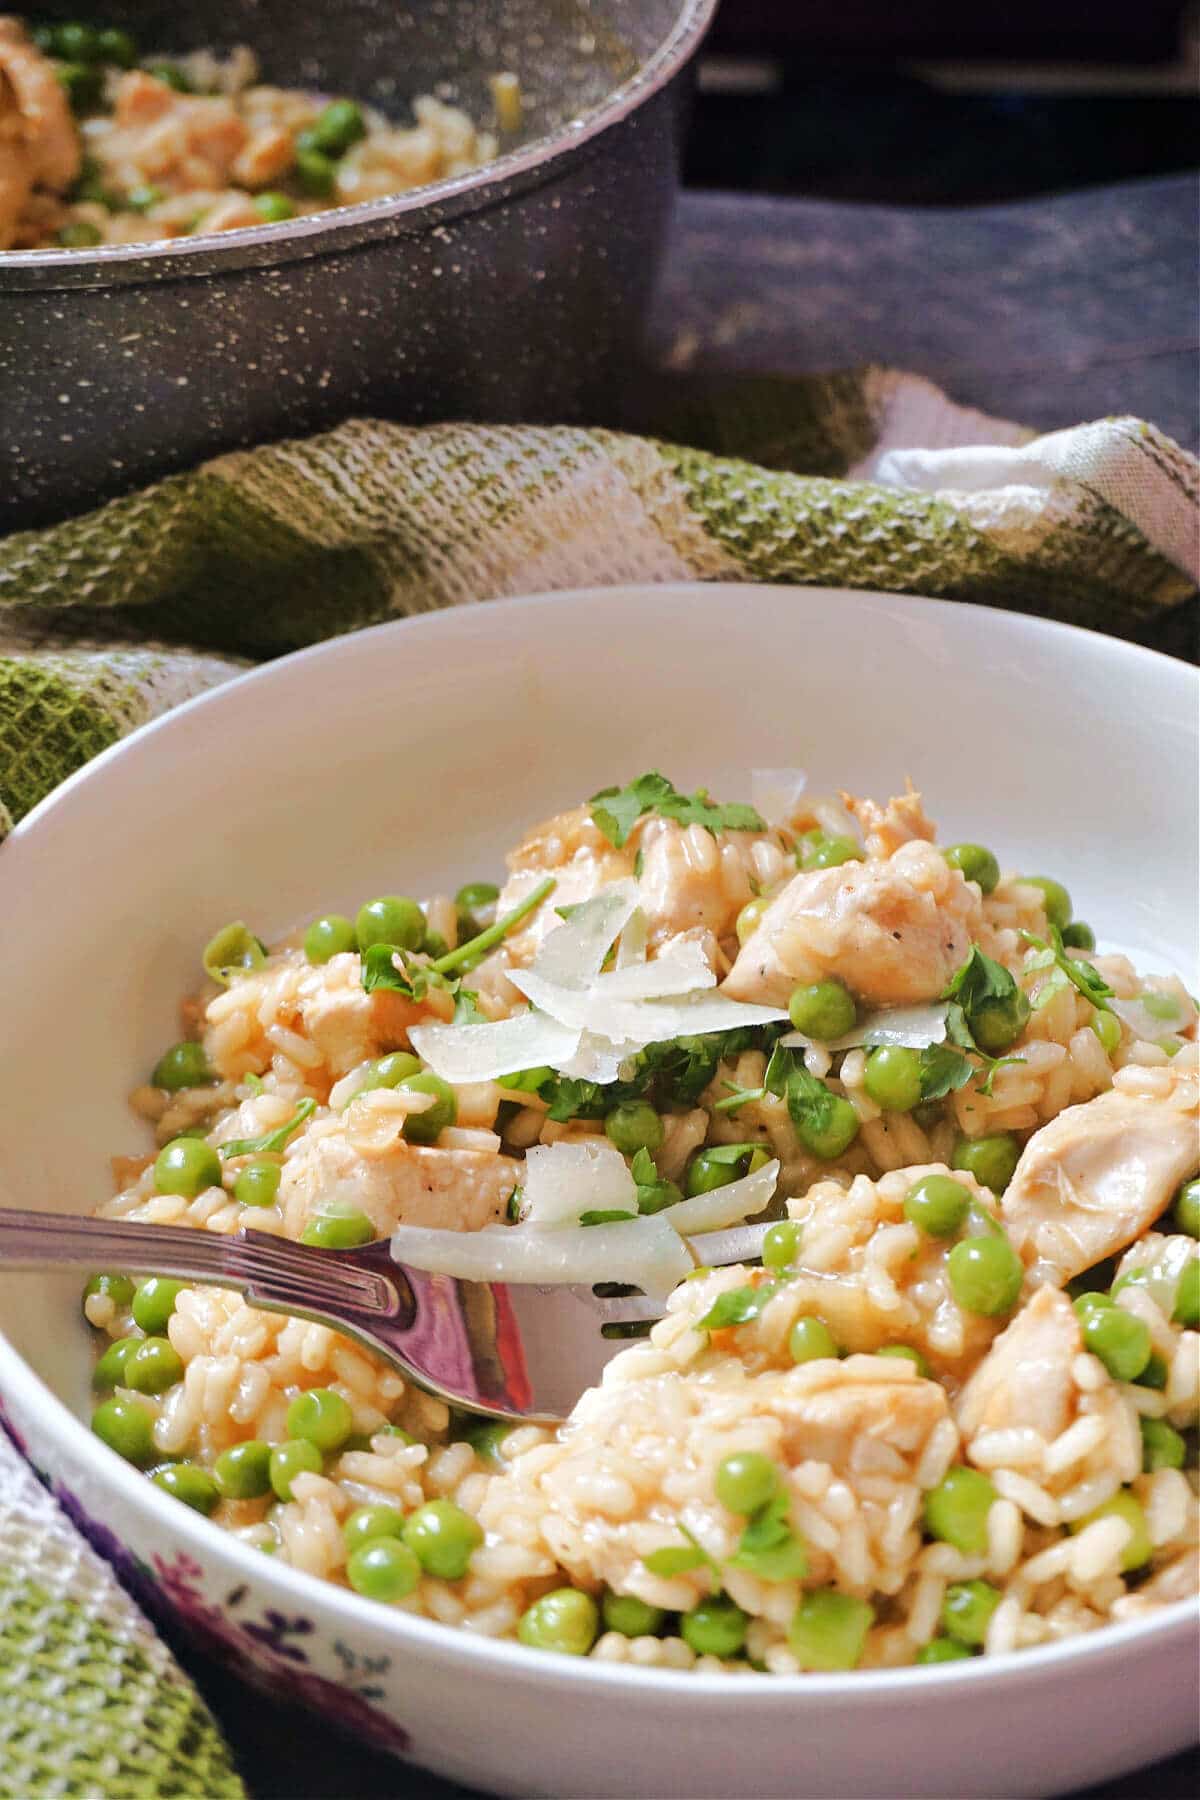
(952, 1413)
(99, 145)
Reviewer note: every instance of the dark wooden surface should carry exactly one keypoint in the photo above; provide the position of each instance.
(1049, 311)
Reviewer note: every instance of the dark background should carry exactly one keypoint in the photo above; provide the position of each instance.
(911, 103)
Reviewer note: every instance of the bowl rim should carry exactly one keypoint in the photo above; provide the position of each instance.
(209, 1543)
(345, 227)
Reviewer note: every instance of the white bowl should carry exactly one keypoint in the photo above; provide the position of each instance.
(408, 756)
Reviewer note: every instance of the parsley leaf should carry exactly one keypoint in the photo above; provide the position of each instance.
(466, 1009)
(615, 811)
(979, 978)
(605, 1216)
(271, 1141)
(736, 1306)
(512, 1211)
(1082, 975)
(675, 1559)
(768, 1547)
(412, 978)
(944, 1069)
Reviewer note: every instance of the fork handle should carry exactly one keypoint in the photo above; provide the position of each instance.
(34, 1240)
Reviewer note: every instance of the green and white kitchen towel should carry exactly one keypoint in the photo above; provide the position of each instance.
(865, 480)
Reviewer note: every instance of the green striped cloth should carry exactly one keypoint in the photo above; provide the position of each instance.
(865, 480)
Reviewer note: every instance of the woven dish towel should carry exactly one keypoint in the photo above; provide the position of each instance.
(867, 480)
(91, 1702)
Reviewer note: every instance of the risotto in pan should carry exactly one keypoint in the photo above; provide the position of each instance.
(953, 1412)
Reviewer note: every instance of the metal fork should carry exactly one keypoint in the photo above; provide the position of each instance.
(505, 1350)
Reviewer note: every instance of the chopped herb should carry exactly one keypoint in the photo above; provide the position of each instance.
(677, 1559)
(513, 1209)
(615, 811)
(978, 979)
(254, 1082)
(388, 966)
(526, 1081)
(486, 940)
(231, 952)
(653, 1193)
(737, 1306)
(639, 865)
(739, 1096)
(1088, 980)
(271, 1141)
(605, 1216)
(466, 1008)
(768, 1547)
(944, 1069)
(671, 1075)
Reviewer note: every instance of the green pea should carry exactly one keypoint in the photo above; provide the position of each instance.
(476, 896)
(1055, 898)
(154, 1302)
(630, 1616)
(985, 1275)
(1185, 1211)
(1078, 936)
(893, 1077)
(257, 1183)
(750, 918)
(746, 1480)
(171, 75)
(153, 1366)
(274, 209)
(1162, 1446)
(565, 1621)
(714, 1627)
(243, 1472)
(486, 1438)
(426, 1127)
(967, 1610)
(1118, 1338)
(332, 934)
(634, 1126)
(1092, 1301)
(117, 1288)
(127, 1428)
(943, 1650)
(1123, 1505)
(810, 1339)
(140, 199)
(338, 1228)
(704, 1174)
(1187, 1296)
(1155, 1373)
(392, 919)
(322, 1417)
(383, 1569)
(816, 850)
(1160, 1005)
(189, 1483)
(834, 1134)
(1107, 1028)
(781, 1244)
(79, 234)
(369, 1522)
(823, 1010)
(991, 1160)
(998, 1022)
(956, 1510)
(186, 1166)
(110, 1366)
(336, 127)
(975, 864)
(184, 1065)
(117, 47)
(937, 1205)
(77, 42)
(906, 1353)
(443, 1538)
(656, 1196)
(829, 1630)
(390, 1070)
(297, 1457)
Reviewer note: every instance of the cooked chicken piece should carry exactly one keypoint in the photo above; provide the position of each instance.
(893, 931)
(1025, 1378)
(188, 143)
(1095, 1178)
(349, 1026)
(691, 880)
(408, 1184)
(885, 828)
(39, 146)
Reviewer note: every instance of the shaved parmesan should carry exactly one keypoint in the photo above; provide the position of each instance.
(574, 953)
(463, 1053)
(723, 1206)
(680, 970)
(914, 1026)
(565, 1179)
(775, 793)
(631, 945)
(1151, 1025)
(643, 1252)
(639, 1022)
(598, 1060)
